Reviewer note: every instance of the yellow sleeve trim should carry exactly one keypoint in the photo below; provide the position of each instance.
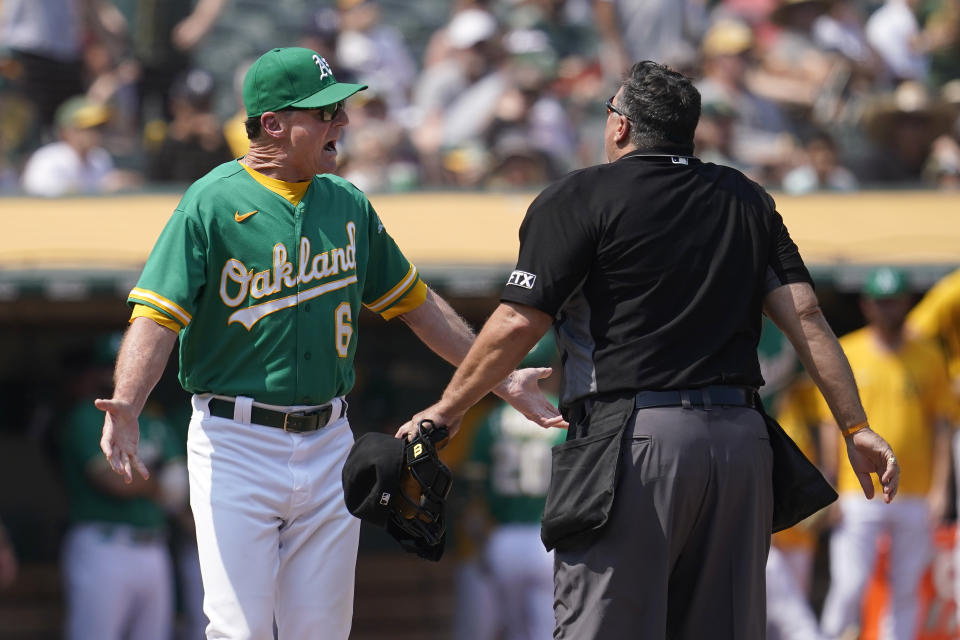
(143, 311)
(387, 299)
(414, 298)
(168, 306)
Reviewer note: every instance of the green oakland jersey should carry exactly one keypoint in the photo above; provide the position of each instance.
(516, 454)
(268, 291)
(80, 447)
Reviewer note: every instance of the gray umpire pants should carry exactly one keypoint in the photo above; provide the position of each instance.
(682, 556)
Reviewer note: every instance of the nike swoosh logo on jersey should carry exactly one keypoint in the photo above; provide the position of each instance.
(241, 218)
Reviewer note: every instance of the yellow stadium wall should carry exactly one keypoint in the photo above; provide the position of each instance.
(480, 229)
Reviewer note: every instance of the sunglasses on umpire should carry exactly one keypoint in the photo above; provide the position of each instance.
(611, 108)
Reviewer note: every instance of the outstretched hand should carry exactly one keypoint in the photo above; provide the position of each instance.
(121, 435)
(870, 454)
(522, 391)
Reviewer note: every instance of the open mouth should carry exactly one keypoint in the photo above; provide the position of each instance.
(331, 146)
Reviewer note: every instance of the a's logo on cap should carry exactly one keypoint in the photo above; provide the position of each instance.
(384, 498)
(886, 280)
(325, 69)
(522, 279)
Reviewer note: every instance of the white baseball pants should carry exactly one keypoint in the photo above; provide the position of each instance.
(476, 614)
(522, 574)
(275, 538)
(853, 551)
(115, 586)
(507, 594)
(789, 614)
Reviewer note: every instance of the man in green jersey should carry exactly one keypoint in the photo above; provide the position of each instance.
(511, 456)
(118, 574)
(262, 270)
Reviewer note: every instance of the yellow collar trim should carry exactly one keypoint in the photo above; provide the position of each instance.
(290, 191)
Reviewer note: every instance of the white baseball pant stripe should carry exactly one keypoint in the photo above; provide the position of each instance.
(275, 538)
(116, 588)
(853, 546)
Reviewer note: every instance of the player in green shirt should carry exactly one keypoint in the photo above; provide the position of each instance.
(507, 592)
(117, 566)
(262, 271)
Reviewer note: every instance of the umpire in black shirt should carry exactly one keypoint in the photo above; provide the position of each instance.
(653, 270)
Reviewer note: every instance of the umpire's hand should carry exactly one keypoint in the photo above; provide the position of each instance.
(869, 453)
(522, 390)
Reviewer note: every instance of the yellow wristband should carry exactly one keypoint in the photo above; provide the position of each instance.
(849, 431)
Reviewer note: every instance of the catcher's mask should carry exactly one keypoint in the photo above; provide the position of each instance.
(401, 486)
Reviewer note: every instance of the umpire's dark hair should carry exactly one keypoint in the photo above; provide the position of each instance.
(663, 107)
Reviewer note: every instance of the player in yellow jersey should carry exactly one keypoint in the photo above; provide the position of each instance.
(905, 390)
(937, 316)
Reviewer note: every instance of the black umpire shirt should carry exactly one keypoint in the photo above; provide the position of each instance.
(655, 268)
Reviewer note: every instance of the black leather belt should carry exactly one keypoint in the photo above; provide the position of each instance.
(295, 421)
(706, 397)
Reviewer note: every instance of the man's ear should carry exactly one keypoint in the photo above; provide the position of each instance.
(272, 124)
(622, 133)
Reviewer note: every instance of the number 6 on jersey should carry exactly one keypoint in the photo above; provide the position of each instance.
(343, 320)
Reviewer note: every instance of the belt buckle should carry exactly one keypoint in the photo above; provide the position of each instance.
(291, 419)
(321, 416)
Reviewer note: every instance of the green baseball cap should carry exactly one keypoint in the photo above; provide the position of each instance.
(292, 77)
(886, 282)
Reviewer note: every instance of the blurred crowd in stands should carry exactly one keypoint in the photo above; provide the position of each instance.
(802, 95)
